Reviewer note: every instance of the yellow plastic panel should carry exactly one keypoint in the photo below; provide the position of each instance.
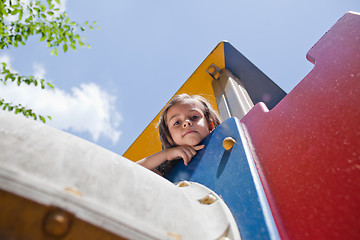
(22, 218)
(200, 83)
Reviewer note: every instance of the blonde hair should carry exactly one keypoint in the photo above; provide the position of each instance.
(209, 113)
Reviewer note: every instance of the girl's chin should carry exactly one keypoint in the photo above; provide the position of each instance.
(192, 143)
(191, 140)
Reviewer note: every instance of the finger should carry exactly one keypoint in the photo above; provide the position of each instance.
(188, 154)
(190, 150)
(198, 147)
(175, 153)
(182, 154)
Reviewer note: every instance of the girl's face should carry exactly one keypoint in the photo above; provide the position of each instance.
(187, 124)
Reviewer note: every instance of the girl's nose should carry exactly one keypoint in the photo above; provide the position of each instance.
(187, 123)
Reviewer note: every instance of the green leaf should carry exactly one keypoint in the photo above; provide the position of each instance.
(65, 47)
(37, 10)
(57, 1)
(20, 16)
(43, 38)
(29, 19)
(50, 13)
(18, 37)
(43, 8)
(14, 12)
(8, 76)
(50, 85)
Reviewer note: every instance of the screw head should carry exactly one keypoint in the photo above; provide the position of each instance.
(57, 223)
(208, 199)
(228, 143)
(211, 70)
(184, 184)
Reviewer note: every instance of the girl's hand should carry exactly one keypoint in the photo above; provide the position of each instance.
(185, 152)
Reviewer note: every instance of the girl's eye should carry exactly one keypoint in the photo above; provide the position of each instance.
(194, 117)
(176, 123)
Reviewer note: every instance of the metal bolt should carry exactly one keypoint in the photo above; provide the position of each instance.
(57, 223)
(211, 70)
(184, 184)
(217, 75)
(208, 199)
(214, 71)
(228, 143)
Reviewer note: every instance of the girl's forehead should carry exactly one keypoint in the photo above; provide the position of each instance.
(183, 107)
(188, 105)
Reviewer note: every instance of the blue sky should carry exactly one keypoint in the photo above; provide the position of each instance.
(145, 50)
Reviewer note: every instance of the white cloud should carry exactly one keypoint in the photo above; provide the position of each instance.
(86, 108)
(62, 5)
(5, 59)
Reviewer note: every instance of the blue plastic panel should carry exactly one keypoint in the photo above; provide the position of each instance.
(232, 176)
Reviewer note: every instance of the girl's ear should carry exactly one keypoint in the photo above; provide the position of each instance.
(211, 126)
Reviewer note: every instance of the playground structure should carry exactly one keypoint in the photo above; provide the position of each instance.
(293, 171)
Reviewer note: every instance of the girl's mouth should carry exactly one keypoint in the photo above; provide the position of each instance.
(188, 132)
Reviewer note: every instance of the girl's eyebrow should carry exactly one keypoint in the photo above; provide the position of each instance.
(195, 110)
(191, 110)
(173, 117)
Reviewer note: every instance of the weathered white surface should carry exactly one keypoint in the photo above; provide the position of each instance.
(39, 162)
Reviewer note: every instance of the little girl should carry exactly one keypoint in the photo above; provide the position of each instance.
(184, 123)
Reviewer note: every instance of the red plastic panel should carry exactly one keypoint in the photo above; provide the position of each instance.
(307, 148)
